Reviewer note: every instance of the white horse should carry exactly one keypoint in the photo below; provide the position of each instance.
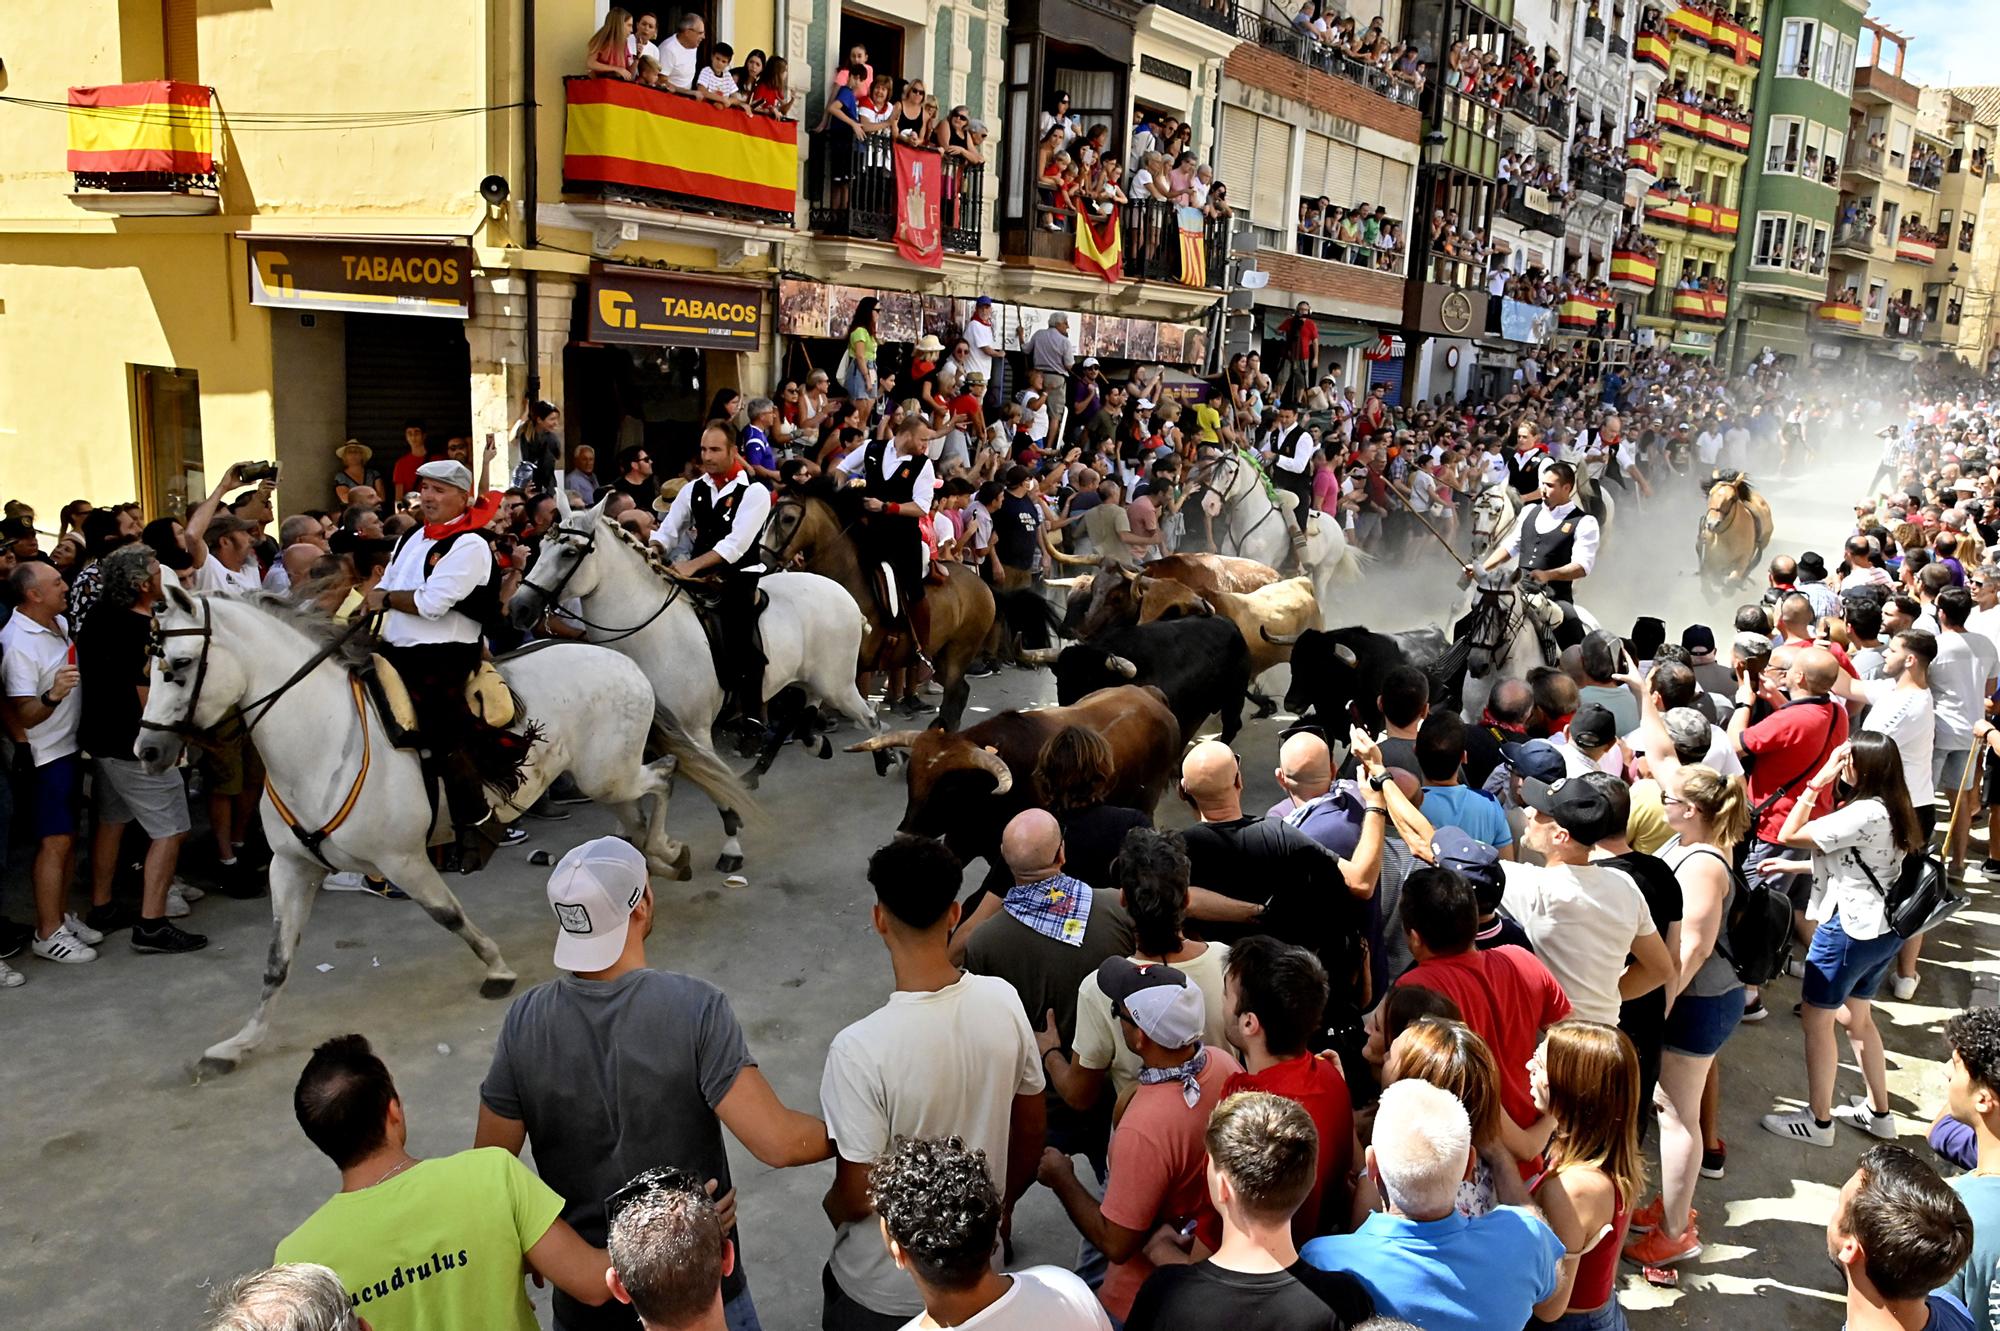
(339, 796)
(1494, 515)
(811, 630)
(1505, 641)
(1590, 482)
(1250, 525)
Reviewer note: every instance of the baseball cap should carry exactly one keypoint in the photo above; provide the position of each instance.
(447, 472)
(226, 524)
(1472, 859)
(983, 300)
(1593, 726)
(1699, 639)
(1089, 361)
(593, 891)
(1534, 759)
(1157, 999)
(16, 529)
(1577, 806)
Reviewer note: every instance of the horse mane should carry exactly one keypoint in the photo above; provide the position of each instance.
(350, 650)
(652, 552)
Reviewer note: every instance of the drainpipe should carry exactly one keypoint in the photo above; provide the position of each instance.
(530, 197)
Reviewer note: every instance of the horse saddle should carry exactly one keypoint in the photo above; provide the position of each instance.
(706, 600)
(487, 696)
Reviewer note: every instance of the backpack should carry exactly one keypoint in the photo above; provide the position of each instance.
(1756, 934)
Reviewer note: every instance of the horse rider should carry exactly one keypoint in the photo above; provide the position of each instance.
(1291, 452)
(1556, 543)
(437, 594)
(1524, 464)
(723, 511)
(898, 484)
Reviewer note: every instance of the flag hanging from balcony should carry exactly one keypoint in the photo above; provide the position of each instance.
(647, 138)
(1194, 248)
(1099, 246)
(157, 128)
(919, 200)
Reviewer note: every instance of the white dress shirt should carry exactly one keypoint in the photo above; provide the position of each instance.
(1294, 451)
(921, 491)
(1547, 519)
(751, 511)
(464, 568)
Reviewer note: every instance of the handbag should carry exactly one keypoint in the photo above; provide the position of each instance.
(1922, 898)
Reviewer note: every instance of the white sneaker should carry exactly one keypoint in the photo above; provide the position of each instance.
(11, 978)
(65, 947)
(1798, 1126)
(188, 891)
(1862, 1115)
(84, 932)
(345, 880)
(1904, 987)
(1796, 968)
(177, 906)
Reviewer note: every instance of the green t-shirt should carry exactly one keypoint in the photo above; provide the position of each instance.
(438, 1247)
(861, 344)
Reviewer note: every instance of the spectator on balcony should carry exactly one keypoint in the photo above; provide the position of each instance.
(1217, 208)
(772, 96)
(974, 152)
(716, 83)
(647, 73)
(952, 136)
(1180, 180)
(913, 123)
(1056, 116)
(609, 54)
(845, 76)
(645, 38)
(747, 73)
(844, 131)
(677, 57)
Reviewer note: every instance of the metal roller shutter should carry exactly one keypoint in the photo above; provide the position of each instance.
(1268, 205)
(1395, 195)
(177, 34)
(1312, 175)
(1367, 180)
(1236, 153)
(400, 367)
(1340, 174)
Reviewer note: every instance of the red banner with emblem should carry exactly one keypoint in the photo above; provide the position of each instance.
(919, 206)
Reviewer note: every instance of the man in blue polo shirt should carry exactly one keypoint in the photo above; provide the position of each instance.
(760, 416)
(1422, 1260)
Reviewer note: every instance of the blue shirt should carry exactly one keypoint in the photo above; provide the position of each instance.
(1453, 1274)
(1473, 812)
(1333, 820)
(1948, 1314)
(757, 448)
(1977, 1284)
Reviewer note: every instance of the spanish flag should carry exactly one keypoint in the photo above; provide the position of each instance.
(1194, 248)
(1632, 266)
(1836, 312)
(142, 128)
(1579, 313)
(1100, 246)
(623, 133)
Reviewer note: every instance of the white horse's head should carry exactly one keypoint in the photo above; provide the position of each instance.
(195, 680)
(566, 565)
(1493, 512)
(1490, 611)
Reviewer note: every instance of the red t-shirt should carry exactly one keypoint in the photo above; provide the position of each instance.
(1315, 1081)
(1509, 998)
(1300, 334)
(1789, 745)
(1159, 1169)
(1838, 652)
(405, 474)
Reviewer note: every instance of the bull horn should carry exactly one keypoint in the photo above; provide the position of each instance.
(1064, 583)
(1279, 639)
(1086, 561)
(888, 739)
(1345, 655)
(1040, 656)
(1122, 666)
(988, 761)
(1131, 574)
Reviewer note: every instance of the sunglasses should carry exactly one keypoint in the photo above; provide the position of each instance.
(661, 1178)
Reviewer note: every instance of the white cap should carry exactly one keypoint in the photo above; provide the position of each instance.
(448, 472)
(1144, 404)
(1087, 360)
(593, 891)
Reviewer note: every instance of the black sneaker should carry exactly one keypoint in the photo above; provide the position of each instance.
(383, 888)
(14, 937)
(165, 937)
(1755, 1011)
(514, 835)
(240, 881)
(980, 669)
(1714, 1159)
(564, 791)
(912, 705)
(112, 916)
(1990, 867)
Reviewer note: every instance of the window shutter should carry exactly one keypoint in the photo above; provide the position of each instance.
(177, 33)
(1312, 176)
(1395, 195)
(1274, 169)
(1340, 174)
(1367, 180)
(1236, 154)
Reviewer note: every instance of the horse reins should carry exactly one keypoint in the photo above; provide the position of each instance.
(551, 604)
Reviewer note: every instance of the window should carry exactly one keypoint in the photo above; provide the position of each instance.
(1843, 67)
(1795, 50)
(1257, 151)
(1829, 55)
(168, 420)
(1899, 142)
(1782, 156)
(1891, 216)
(1836, 148)
(1878, 294)
(1817, 264)
(1769, 248)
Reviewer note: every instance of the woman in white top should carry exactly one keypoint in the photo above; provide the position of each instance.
(1857, 853)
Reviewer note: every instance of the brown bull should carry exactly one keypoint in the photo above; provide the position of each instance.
(1115, 595)
(964, 785)
(1735, 530)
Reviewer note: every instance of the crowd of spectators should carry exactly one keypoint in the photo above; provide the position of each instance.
(629, 49)
(1366, 55)
(1360, 236)
(1724, 104)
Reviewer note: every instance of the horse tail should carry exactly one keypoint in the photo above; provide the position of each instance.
(1352, 565)
(698, 763)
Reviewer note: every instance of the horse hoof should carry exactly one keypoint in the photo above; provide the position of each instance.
(751, 778)
(495, 987)
(825, 748)
(211, 1066)
(729, 863)
(683, 865)
(881, 763)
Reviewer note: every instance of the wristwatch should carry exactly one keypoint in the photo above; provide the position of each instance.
(1375, 783)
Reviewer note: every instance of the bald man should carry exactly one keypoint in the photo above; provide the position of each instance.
(1051, 929)
(1781, 752)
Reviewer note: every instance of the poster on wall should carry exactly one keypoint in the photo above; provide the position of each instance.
(1172, 341)
(1109, 336)
(901, 317)
(802, 308)
(1142, 339)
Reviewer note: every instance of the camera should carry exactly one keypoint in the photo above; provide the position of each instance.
(252, 472)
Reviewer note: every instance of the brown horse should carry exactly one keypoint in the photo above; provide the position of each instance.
(806, 531)
(1734, 531)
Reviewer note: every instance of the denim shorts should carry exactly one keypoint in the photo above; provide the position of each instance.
(1610, 1317)
(54, 789)
(1698, 1027)
(1839, 967)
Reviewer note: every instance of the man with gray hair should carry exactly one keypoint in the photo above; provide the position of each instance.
(292, 1296)
(669, 1255)
(1051, 352)
(760, 416)
(1422, 1259)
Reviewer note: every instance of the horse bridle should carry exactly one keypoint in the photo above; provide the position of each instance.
(1235, 461)
(551, 597)
(185, 727)
(1506, 623)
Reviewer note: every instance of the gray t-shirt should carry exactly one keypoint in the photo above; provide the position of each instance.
(616, 1077)
(1716, 975)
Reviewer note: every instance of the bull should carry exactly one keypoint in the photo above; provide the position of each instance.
(1116, 595)
(1337, 674)
(1201, 665)
(964, 785)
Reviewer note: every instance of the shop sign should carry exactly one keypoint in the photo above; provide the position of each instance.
(362, 276)
(640, 308)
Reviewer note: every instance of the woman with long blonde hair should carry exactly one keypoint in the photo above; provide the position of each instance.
(1586, 1076)
(609, 52)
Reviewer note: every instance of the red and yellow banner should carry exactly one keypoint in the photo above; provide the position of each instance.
(1653, 49)
(1100, 246)
(1835, 312)
(1644, 154)
(919, 201)
(1691, 22)
(1910, 249)
(1580, 312)
(1629, 266)
(1676, 116)
(160, 128)
(1726, 221)
(1700, 304)
(1664, 207)
(1732, 38)
(1194, 247)
(623, 133)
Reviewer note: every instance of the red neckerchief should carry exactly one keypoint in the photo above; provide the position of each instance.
(720, 483)
(476, 515)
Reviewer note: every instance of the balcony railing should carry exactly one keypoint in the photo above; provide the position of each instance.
(1692, 304)
(1535, 219)
(1152, 244)
(1353, 254)
(1917, 248)
(1617, 47)
(1606, 182)
(1860, 237)
(853, 191)
(1927, 175)
(1863, 160)
(636, 144)
(1840, 314)
(1712, 33)
(1690, 214)
(1291, 42)
(1704, 126)
(1215, 13)
(132, 143)
(1593, 29)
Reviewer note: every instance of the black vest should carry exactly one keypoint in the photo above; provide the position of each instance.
(900, 485)
(713, 519)
(482, 603)
(1544, 550)
(1525, 470)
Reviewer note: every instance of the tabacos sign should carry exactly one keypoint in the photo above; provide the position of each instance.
(368, 276)
(645, 308)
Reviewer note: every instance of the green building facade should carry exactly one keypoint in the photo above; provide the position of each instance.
(1792, 182)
